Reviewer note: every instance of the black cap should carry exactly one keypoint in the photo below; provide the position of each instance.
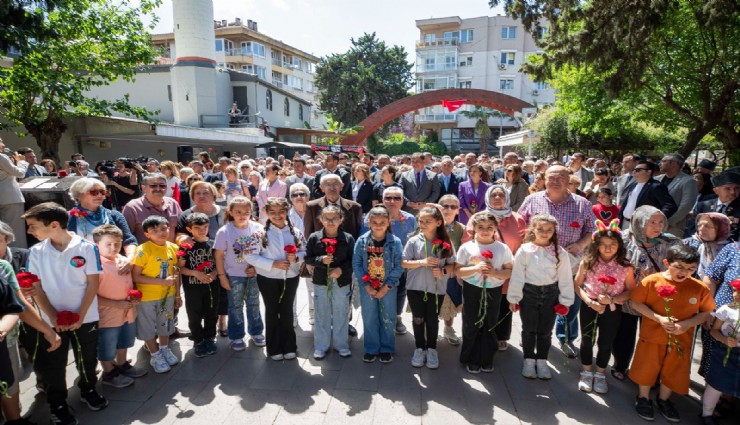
(709, 165)
(726, 178)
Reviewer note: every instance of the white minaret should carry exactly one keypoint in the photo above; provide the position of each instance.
(194, 80)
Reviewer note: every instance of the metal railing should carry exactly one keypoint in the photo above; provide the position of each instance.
(438, 43)
(447, 66)
(223, 121)
(239, 51)
(277, 83)
(435, 118)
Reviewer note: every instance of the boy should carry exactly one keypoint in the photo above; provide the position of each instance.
(664, 347)
(154, 275)
(117, 327)
(604, 210)
(201, 287)
(69, 269)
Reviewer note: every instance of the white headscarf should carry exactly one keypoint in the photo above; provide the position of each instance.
(501, 213)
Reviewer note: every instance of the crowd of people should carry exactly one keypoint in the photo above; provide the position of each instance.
(588, 250)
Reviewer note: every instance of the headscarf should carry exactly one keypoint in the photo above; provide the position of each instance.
(501, 213)
(639, 222)
(708, 250)
(642, 258)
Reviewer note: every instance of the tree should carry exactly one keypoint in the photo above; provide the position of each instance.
(336, 127)
(22, 22)
(481, 116)
(683, 55)
(96, 43)
(370, 75)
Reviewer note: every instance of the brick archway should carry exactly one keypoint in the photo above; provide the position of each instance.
(489, 99)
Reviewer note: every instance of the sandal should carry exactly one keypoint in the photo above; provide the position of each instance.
(619, 376)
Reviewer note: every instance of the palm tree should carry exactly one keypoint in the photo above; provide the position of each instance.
(481, 116)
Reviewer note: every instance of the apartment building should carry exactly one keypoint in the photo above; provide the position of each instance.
(482, 53)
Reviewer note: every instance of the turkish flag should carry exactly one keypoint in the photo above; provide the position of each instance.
(176, 192)
(453, 105)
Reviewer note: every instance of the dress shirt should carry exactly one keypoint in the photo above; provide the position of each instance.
(629, 209)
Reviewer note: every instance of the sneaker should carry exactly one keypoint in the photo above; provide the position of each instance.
(369, 358)
(600, 385)
(473, 368)
(586, 382)
(644, 408)
(94, 400)
(169, 356)
(200, 349)
(400, 327)
(668, 410)
(432, 358)
(418, 358)
(569, 350)
(159, 364)
(115, 379)
(487, 369)
(319, 354)
(451, 336)
(543, 370)
(277, 357)
(311, 320)
(211, 347)
(345, 352)
(709, 420)
(131, 371)
(62, 416)
(239, 345)
(289, 356)
(258, 340)
(528, 370)
(386, 357)
(295, 321)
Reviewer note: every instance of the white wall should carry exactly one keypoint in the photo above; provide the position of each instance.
(148, 90)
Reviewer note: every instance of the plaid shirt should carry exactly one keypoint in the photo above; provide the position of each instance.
(574, 215)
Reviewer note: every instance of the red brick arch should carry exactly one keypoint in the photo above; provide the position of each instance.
(490, 99)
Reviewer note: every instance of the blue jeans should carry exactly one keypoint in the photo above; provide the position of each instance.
(110, 340)
(572, 318)
(379, 322)
(331, 317)
(237, 296)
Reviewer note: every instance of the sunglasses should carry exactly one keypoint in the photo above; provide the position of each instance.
(96, 192)
(509, 171)
(638, 169)
(298, 195)
(158, 186)
(392, 198)
(450, 207)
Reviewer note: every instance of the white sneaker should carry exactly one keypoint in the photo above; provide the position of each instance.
(586, 382)
(400, 327)
(543, 370)
(528, 370)
(168, 355)
(289, 356)
(418, 359)
(158, 363)
(311, 320)
(600, 386)
(451, 336)
(432, 358)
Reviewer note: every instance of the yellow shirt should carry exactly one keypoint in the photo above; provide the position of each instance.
(158, 262)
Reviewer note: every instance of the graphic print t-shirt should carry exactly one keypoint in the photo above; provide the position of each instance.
(376, 265)
(196, 259)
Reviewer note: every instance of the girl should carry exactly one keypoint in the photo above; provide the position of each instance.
(604, 281)
(541, 279)
(483, 264)
(330, 252)
(450, 205)
(429, 258)
(234, 241)
(377, 264)
(278, 259)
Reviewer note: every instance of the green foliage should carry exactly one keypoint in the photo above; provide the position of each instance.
(400, 144)
(22, 23)
(481, 116)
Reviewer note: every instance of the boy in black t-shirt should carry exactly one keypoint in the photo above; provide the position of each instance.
(198, 268)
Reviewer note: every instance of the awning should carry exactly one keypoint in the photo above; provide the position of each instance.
(284, 145)
(518, 138)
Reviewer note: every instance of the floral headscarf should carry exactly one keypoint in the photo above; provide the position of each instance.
(501, 213)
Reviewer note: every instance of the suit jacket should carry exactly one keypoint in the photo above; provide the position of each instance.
(36, 170)
(352, 216)
(365, 196)
(452, 189)
(586, 176)
(622, 184)
(291, 180)
(428, 191)
(341, 172)
(683, 190)
(653, 193)
(732, 212)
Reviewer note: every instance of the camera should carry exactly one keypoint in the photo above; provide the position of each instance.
(73, 164)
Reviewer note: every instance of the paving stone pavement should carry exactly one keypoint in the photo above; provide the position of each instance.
(246, 387)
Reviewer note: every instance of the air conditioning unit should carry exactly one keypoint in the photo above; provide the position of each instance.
(502, 66)
(535, 92)
(463, 63)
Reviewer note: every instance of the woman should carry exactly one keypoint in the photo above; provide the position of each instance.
(205, 158)
(169, 170)
(517, 187)
(647, 244)
(539, 183)
(244, 167)
(50, 166)
(472, 193)
(299, 195)
(185, 201)
(271, 187)
(387, 179)
(601, 180)
(234, 185)
(362, 186)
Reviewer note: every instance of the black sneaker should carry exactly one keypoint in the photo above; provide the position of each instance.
(21, 421)
(61, 415)
(668, 410)
(351, 331)
(709, 420)
(200, 349)
(386, 357)
(211, 347)
(94, 400)
(369, 358)
(644, 408)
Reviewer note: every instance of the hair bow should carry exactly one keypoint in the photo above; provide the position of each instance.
(613, 226)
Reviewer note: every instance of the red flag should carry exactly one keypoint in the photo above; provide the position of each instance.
(176, 192)
(453, 105)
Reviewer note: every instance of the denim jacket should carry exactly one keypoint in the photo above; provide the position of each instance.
(392, 252)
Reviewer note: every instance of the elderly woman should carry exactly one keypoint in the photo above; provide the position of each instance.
(271, 187)
(244, 167)
(515, 184)
(169, 170)
(472, 193)
(646, 243)
(255, 180)
(362, 186)
(299, 195)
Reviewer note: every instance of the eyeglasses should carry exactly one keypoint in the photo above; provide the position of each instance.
(96, 192)
(158, 186)
(298, 194)
(245, 167)
(393, 198)
(450, 207)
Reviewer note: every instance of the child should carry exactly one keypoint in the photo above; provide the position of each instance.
(377, 265)
(604, 281)
(667, 330)
(429, 258)
(221, 190)
(278, 261)
(69, 269)
(330, 252)
(723, 375)
(449, 206)
(117, 311)
(604, 210)
(155, 276)
(239, 237)
(198, 268)
(540, 280)
(483, 277)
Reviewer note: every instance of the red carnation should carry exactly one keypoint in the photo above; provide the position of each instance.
(329, 241)
(608, 280)
(375, 283)
(561, 310)
(517, 307)
(575, 225)
(27, 279)
(181, 253)
(62, 173)
(186, 245)
(204, 265)
(487, 254)
(66, 318)
(437, 242)
(290, 249)
(135, 294)
(446, 246)
(402, 218)
(331, 250)
(735, 284)
(77, 213)
(666, 291)
(366, 278)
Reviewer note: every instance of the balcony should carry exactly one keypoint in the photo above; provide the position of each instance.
(277, 83)
(239, 51)
(444, 42)
(448, 66)
(435, 118)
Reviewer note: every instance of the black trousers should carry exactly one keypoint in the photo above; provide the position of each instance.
(606, 328)
(505, 317)
(479, 343)
(52, 366)
(223, 301)
(624, 343)
(425, 317)
(279, 332)
(201, 305)
(538, 318)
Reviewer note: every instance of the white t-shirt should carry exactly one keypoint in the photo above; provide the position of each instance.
(64, 274)
(237, 244)
(631, 206)
(470, 254)
(729, 317)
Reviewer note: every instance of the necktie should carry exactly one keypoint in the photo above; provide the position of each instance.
(721, 209)
(418, 179)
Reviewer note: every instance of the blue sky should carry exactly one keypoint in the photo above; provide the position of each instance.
(322, 27)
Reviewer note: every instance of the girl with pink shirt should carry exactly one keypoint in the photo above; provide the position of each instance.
(604, 280)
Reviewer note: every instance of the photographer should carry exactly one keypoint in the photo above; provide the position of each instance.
(81, 168)
(124, 184)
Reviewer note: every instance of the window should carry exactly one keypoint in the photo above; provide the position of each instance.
(300, 112)
(508, 58)
(258, 49)
(219, 45)
(466, 36)
(228, 45)
(541, 86)
(169, 93)
(247, 68)
(309, 86)
(506, 84)
(430, 38)
(467, 61)
(508, 33)
(286, 107)
(465, 84)
(542, 33)
(260, 71)
(451, 35)
(268, 100)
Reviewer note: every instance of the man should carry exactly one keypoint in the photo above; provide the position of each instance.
(511, 158)
(299, 176)
(470, 159)
(152, 166)
(200, 168)
(681, 187)
(125, 185)
(578, 170)
(576, 223)
(383, 160)
(331, 166)
(705, 166)
(448, 181)
(12, 201)
(81, 168)
(727, 188)
(235, 114)
(629, 161)
(428, 160)
(344, 163)
(33, 169)
(419, 185)
(644, 190)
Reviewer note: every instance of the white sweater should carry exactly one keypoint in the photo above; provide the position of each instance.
(534, 265)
